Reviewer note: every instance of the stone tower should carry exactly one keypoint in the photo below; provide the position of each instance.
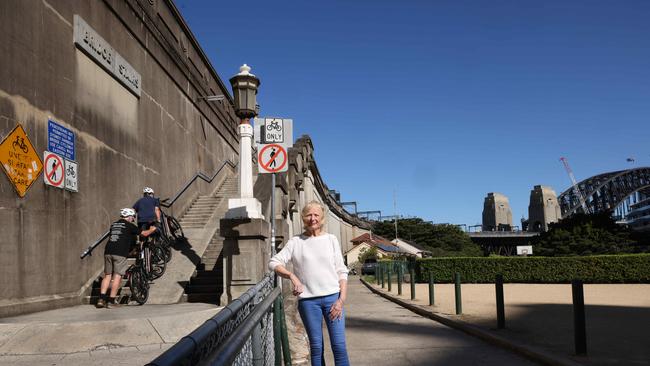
(497, 215)
(543, 208)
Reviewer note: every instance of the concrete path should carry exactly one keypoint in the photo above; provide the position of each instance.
(84, 335)
(380, 332)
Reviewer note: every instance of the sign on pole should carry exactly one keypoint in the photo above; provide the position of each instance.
(54, 170)
(71, 174)
(19, 160)
(272, 158)
(274, 131)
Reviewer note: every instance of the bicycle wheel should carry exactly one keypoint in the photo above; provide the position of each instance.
(139, 285)
(158, 263)
(163, 243)
(175, 228)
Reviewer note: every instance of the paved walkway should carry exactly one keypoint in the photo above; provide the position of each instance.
(380, 332)
(84, 335)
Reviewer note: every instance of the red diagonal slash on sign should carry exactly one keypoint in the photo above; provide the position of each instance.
(280, 151)
(57, 163)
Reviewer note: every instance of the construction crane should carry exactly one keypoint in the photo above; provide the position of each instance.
(576, 190)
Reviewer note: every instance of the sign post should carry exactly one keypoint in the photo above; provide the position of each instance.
(274, 137)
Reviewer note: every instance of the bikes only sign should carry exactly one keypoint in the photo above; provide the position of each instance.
(274, 131)
(19, 160)
(71, 174)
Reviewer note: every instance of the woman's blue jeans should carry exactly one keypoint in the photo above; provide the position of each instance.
(312, 311)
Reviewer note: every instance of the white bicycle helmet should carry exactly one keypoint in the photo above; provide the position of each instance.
(126, 212)
(147, 190)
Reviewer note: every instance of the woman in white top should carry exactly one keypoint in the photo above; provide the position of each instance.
(319, 279)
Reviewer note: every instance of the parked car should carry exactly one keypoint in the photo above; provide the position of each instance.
(369, 266)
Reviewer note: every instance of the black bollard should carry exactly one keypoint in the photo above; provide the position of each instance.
(377, 273)
(459, 305)
(579, 323)
(501, 315)
(412, 283)
(389, 273)
(431, 295)
(400, 278)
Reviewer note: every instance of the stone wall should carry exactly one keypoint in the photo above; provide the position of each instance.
(124, 142)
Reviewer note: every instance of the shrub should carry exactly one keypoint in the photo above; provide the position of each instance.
(632, 268)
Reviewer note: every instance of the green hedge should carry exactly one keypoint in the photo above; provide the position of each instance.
(633, 268)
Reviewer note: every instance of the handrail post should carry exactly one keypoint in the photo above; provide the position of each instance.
(277, 332)
(459, 304)
(501, 317)
(256, 339)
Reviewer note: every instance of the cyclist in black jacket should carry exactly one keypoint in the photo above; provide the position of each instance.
(122, 237)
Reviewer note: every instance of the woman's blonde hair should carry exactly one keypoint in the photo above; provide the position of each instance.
(310, 205)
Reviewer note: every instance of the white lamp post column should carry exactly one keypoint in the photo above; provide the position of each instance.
(244, 87)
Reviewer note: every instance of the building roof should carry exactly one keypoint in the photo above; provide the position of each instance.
(372, 239)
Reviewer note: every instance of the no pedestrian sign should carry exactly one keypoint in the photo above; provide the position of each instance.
(272, 158)
(54, 170)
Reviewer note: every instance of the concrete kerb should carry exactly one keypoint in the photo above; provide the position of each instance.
(533, 353)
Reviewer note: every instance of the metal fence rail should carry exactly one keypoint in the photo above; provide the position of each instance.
(240, 334)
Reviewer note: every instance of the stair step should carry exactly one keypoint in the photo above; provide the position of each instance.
(205, 298)
(203, 289)
(203, 281)
(207, 273)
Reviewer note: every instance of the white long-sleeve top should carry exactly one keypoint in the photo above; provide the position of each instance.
(317, 262)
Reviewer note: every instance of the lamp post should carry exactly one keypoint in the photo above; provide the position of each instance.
(244, 88)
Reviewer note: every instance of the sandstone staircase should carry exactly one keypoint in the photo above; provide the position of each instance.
(196, 257)
(206, 285)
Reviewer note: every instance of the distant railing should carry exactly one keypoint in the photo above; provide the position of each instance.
(165, 203)
(243, 333)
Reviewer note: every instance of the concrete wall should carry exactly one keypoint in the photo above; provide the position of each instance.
(543, 208)
(123, 142)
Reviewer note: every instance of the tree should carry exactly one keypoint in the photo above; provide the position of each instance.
(440, 239)
(586, 235)
(367, 254)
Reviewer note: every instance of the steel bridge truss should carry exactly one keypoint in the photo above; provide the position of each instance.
(604, 192)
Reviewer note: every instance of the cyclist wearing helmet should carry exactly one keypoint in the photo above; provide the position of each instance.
(123, 234)
(148, 209)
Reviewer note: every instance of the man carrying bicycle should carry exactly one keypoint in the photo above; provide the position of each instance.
(123, 236)
(148, 209)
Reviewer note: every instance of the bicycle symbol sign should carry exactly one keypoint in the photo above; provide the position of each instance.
(273, 130)
(19, 160)
(272, 158)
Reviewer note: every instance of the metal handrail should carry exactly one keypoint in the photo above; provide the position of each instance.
(197, 346)
(165, 203)
(230, 349)
(168, 203)
(91, 247)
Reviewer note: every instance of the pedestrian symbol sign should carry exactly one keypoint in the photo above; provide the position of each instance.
(54, 170)
(272, 158)
(19, 160)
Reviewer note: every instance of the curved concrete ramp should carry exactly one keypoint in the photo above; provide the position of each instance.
(82, 330)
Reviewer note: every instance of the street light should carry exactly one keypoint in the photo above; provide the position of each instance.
(244, 88)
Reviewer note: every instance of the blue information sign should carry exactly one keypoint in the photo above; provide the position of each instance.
(60, 140)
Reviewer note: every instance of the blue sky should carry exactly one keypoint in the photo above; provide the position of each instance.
(445, 101)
